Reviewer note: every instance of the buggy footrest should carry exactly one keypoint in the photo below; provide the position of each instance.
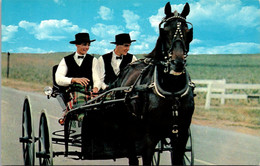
(25, 140)
(42, 155)
(75, 153)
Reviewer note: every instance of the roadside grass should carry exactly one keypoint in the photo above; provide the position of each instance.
(234, 68)
(32, 72)
(241, 68)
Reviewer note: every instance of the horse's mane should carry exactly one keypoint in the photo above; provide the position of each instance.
(157, 51)
(129, 67)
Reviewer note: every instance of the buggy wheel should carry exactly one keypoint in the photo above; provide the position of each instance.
(28, 138)
(188, 158)
(157, 153)
(45, 153)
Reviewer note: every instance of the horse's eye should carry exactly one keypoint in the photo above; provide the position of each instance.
(167, 28)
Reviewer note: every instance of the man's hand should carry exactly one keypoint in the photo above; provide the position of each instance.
(81, 81)
(95, 90)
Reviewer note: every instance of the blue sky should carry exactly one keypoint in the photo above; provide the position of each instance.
(43, 26)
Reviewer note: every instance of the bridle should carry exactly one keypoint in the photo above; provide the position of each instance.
(166, 62)
(178, 36)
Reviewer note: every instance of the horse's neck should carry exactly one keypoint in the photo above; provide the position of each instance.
(157, 51)
(173, 83)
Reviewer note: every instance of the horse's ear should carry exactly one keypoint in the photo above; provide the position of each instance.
(186, 10)
(168, 9)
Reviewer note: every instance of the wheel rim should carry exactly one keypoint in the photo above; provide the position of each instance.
(188, 155)
(45, 144)
(28, 134)
(157, 153)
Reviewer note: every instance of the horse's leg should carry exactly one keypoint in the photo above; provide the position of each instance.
(148, 150)
(179, 142)
(132, 156)
(185, 116)
(178, 145)
(131, 134)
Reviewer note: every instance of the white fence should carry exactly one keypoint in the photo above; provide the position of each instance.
(218, 88)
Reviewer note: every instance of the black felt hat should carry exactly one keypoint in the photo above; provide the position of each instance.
(122, 38)
(81, 38)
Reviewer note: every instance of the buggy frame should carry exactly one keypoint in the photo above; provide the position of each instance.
(68, 138)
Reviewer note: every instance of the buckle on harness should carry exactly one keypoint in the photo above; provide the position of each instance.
(175, 129)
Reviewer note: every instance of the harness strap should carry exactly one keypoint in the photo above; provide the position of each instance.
(138, 78)
(175, 116)
(162, 93)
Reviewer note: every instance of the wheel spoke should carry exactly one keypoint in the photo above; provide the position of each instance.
(188, 155)
(45, 144)
(157, 153)
(27, 139)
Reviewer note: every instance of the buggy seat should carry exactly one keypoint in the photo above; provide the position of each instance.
(69, 96)
(59, 92)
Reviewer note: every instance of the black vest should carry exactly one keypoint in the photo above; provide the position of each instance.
(85, 70)
(110, 75)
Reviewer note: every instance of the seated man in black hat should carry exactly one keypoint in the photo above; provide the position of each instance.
(79, 67)
(112, 63)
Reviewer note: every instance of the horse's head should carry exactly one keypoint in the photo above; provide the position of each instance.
(175, 37)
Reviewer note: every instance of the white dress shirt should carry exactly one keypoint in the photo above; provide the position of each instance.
(115, 63)
(60, 75)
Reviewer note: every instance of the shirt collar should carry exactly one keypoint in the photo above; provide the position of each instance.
(114, 55)
(77, 54)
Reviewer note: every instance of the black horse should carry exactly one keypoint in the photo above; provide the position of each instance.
(163, 88)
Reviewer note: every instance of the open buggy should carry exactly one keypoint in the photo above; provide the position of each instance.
(145, 113)
(102, 133)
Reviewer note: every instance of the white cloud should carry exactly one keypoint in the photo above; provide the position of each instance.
(247, 16)
(50, 29)
(150, 39)
(195, 41)
(105, 13)
(8, 32)
(144, 44)
(103, 30)
(27, 25)
(60, 2)
(134, 35)
(143, 47)
(156, 19)
(232, 48)
(137, 4)
(230, 13)
(131, 20)
(84, 30)
(31, 50)
(101, 47)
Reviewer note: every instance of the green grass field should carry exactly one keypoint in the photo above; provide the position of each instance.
(234, 68)
(244, 68)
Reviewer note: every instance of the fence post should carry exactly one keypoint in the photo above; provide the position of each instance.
(8, 62)
(208, 96)
(223, 93)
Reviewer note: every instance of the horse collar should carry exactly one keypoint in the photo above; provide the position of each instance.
(162, 93)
